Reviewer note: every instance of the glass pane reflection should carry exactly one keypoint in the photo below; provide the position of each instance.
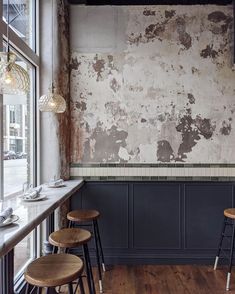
(17, 139)
(23, 253)
(21, 19)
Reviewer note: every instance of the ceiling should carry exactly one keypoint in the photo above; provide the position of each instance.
(149, 2)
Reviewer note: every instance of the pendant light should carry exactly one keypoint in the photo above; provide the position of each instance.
(14, 79)
(52, 101)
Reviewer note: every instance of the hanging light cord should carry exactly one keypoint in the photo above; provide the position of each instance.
(52, 49)
(8, 19)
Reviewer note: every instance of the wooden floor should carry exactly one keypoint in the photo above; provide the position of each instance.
(154, 279)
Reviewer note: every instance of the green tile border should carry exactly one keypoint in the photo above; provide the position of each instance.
(163, 179)
(155, 178)
(156, 165)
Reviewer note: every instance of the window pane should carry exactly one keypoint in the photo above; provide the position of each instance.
(21, 19)
(18, 138)
(23, 253)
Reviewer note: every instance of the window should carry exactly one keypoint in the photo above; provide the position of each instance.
(21, 19)
(12, 114)
(18, 115)
(23, 253)
(19, 137)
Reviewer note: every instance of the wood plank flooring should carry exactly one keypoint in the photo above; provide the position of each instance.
(165, 279)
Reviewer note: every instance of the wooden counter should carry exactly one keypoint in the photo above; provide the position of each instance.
(31, 214)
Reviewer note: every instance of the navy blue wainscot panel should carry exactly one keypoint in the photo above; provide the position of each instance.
(157, 221)
(111, 200)
(204, 205)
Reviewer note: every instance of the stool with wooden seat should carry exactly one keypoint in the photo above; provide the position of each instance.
(54, 270)
(229, 221)
(71, 238)
(90, 217)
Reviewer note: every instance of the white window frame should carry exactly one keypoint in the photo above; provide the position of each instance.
(31, 56)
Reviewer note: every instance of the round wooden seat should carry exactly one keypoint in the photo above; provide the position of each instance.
(54, 270)
(69, 237)
(82, 215)
(230, 212)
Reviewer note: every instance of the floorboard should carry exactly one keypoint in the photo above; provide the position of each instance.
(165, 279)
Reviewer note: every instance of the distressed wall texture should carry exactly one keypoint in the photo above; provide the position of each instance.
(152, 85)
(63, 82)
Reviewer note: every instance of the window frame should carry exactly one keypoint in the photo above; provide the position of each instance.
(30, 56)
(19, 281)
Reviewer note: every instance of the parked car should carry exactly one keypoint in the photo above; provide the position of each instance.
(20, 155)
(9, 155)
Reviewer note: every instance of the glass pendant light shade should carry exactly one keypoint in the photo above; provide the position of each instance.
(52, 102)
(14, 79)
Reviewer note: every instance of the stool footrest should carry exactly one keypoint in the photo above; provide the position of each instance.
(227, 236)
(228, 223)
(82, 225)
(225, 255)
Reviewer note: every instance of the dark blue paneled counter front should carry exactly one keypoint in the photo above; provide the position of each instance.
(158, 222)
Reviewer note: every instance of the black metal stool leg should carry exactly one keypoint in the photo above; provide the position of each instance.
(32, 290)
(90, 280)
(70, 224)
(231, 257)
(98, 257)
(82, 291)
(70, 288)
(39, 290)
(220, 242)
(90, 270)
(54, 250)
(100, 245)
(27, 288)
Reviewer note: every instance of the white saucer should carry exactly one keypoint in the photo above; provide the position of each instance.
(13, 218)
(58, 186)
(40, 197)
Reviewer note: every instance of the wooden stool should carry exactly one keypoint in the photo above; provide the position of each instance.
(71, 238)
(90, 216)
(229, 221)
(54, 270)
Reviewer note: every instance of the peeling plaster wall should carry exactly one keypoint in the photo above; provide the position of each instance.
(152, 84)
(63, 86)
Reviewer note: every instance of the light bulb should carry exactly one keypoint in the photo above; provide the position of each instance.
(8, 79)
(52, 103)
(14, 79)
